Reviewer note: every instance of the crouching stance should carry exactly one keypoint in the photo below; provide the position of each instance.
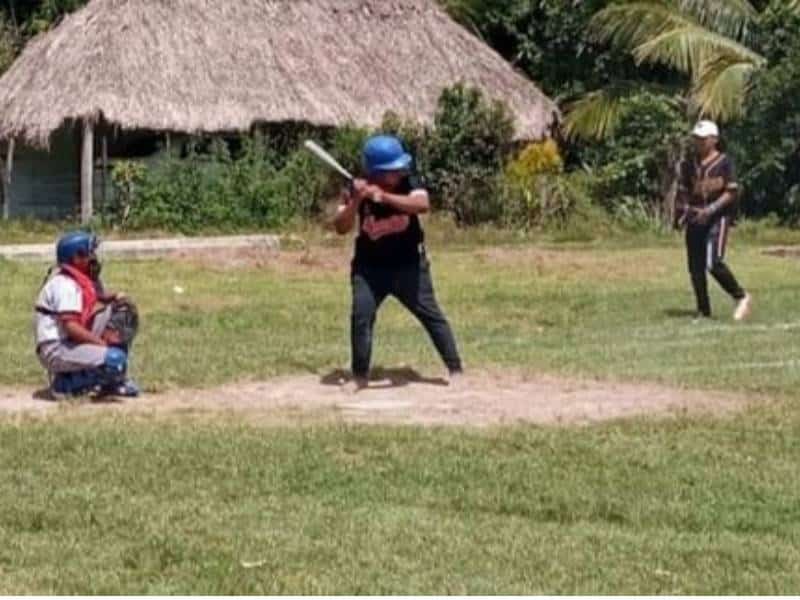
(390, 255)
(83, 334)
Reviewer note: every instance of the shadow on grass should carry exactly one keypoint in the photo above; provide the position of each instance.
(44, 395)
(384, 378)
(679, 313)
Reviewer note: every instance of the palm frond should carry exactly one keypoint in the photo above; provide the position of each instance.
(658, 32)
(596, 115)
(734, 18)
(631, 24)
(689, 48)
(721, 88)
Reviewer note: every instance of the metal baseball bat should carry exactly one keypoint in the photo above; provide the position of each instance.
(320, 153)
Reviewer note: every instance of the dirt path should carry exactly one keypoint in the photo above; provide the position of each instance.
(400, 397)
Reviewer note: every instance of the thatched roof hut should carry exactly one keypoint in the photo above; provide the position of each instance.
(223, 65)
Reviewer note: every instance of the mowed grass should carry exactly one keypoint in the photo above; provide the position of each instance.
(112, 505)
(126, 507)
(610, 312)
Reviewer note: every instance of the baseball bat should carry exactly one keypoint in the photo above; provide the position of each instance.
(321, 154)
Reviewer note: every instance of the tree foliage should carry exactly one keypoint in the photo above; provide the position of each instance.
(631, 75)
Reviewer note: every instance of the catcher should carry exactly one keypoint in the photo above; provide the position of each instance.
(83, 334)
(389, 252)
(707, 194)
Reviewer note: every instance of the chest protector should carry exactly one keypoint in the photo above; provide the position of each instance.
(88, 293)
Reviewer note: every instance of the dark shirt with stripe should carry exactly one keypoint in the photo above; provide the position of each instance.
(389, 237)
(703, 184)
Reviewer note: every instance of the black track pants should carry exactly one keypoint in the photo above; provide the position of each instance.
(413, 287)
(705, 245)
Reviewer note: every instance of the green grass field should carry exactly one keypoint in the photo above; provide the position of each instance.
(112, 505)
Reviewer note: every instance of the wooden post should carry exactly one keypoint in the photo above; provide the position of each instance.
(103, 173)
(6, 180)
(87, 173)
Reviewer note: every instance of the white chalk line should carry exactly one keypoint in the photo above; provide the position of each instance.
(778, 364)
(690, 331)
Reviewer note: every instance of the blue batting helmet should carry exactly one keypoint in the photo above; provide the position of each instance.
(74, 244)
(385, 153)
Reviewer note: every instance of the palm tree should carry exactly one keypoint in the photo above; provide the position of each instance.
(708, 41)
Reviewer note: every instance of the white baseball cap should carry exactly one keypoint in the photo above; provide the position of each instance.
(705, 129)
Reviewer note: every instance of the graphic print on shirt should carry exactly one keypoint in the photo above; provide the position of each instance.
(375, 229)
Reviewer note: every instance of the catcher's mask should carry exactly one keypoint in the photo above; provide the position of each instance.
(79, 244)
(95, 268)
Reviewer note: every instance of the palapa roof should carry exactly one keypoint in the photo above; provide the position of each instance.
(224, 65)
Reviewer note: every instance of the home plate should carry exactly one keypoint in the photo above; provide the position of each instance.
(377, 405)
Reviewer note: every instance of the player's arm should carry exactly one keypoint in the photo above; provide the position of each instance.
(723, 202)
(111, 297)
(683, 198)
(351, 200)
(76, 332)
(346, 214)
(416, 203)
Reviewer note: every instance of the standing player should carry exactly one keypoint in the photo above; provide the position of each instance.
(707, 192)
(389, 251)
(77, 343)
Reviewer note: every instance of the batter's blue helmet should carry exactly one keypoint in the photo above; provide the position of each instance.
(74, 244)
(385, 153)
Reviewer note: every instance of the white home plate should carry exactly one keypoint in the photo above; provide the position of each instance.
(376, 405)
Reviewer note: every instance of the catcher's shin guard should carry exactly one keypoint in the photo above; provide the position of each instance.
(77, 383)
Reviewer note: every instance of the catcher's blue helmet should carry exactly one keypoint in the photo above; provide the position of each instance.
(74, 244)
(385, 153)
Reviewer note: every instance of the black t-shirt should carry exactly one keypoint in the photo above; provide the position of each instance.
(387, 236)
(703, 184)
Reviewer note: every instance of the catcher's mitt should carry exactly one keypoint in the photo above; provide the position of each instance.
(124, 321)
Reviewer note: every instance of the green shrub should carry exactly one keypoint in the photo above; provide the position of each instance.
(258, 182)
(264, 184)
(204, 190)
(126, 177)
(547, 201)
(535, 159)
(632, 214)
(464, 152)
(638, 161)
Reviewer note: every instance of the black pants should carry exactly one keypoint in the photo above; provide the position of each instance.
(413, 287)
(706, 249)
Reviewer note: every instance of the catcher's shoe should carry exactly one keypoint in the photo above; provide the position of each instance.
(126, 389)
(743, 308)
(57, 391)
(73, 385)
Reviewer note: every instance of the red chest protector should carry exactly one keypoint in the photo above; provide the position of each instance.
(88, 293)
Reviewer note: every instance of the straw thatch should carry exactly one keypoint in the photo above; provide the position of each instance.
(223, 65)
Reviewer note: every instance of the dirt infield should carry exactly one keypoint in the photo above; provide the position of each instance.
(400, 397)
